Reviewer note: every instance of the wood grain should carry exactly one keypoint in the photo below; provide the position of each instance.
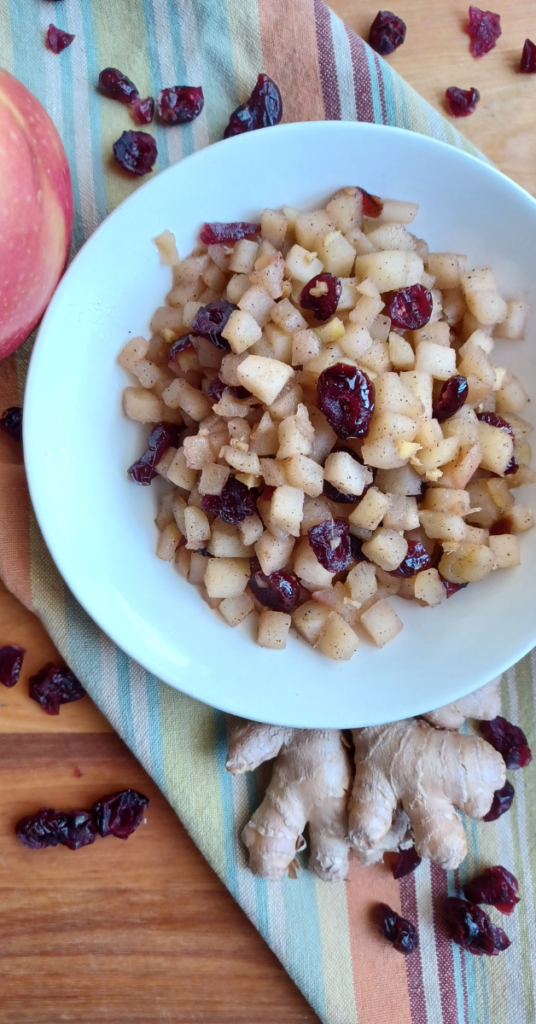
(143, 931)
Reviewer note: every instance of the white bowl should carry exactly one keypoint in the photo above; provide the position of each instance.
(99, 526)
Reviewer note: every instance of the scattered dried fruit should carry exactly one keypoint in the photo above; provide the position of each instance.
(509, 740)
(11, 422)
(495, 420)
(116, 86)
(80, 830)
(217, 387)
(136, 152)
(451, 398)
(180, 104)
(484, 29)
(263, 109)
(346, 397)
(120, 813)
(330, 542)
(280, 591)
(57, 40)
(461, 102)
(55, 685)
(452, 588)
(46, 828)
(404, 862)
(416, 560)
(235, 502)
(528, 58)
(409, 309)
(143, 110)
(210, 321)
(217, 233)
(387, 33)
(162, 437)
(471, 928)
(502, 802)
(496, 886)
(372, 205)
(402, 933)
(11, 658)
(321, 295)
(503, 525)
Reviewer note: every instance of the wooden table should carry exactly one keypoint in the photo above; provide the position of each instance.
(144, 931)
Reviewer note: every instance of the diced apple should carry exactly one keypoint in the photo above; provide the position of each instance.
(421, 384)
(236, 609)
(241, 331)
(165, 511)
(308, 620)
(398, 210)
(497, 448)
(179, 473)
(324, 435)
(226, 577)
(402, 513)
(142, 406)
(305, 474)
(386, 548)
(305, 345)
(371, 510)
(476, 363)
(511, 396)
(458, 473)
(197, 528)
(264, 438)
(346, 209)
(346, 474)
(500, 492)
(308, 568)
(401, 353)
(337, 255)
(242, 461)
(522, 518)
(398, 481)
(441, 526)
(381, 622)
(505, 547)
(315, 510)
(429, 588)
(392, 236)
(274, 472)
(274, 227)
(470, 563)
(390, 269)
(296, 434)
(362, 583)
(447, 500)
(237, 286)
(251, 530)
(392, 424)
(287, 402)
(383, 454)
(273, 629)
(438, 454)
(257, 303)
(273, 554)
(394, 394)
(515, 322)
(287, 317)
(336, 639)
(311, 228)
(446, 268)
(132, 352)
(286, 509)
(265, 378)
(303, 265)
(168, 542)
(463, 425)
(436, 360)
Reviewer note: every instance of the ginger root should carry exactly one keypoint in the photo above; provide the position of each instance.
(310, 783)
(484, 704)
(428, 772)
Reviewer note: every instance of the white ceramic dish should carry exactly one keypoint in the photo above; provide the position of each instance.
(99, 526)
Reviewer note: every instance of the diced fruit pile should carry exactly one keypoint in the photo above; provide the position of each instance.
(322, 397)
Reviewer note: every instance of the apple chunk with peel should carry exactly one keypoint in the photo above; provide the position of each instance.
(265, 378)
(381, 622)
(273, 629)
(286, 509)
(226, 577)
(346, 474)
(386, 548)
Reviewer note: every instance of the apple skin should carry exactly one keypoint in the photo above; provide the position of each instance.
(36, 211)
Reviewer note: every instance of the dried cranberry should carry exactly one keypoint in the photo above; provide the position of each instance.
(528, 58)
(402, 933)
(55, 685)
(235, 502)
(484, 30)
(356, 551)
(495, 420)
(180, 104)
(210, 321)
(452, 588)
(181, 345)
(217, 233)
(372, 205)
(217, 387)
(205, 552)
(509, 740)
(143, 110)
(267, 494)
(330, 542)
(387, 33)
(162, 437)
(461, 102)
(11, 422)
(120, 814)
(57, 40)
(263, 109)
(346, 397)
(512, 466)
(116, 86)
(417, 560)
(471, 928)
(501, 803)
(409, 309)
(404, 862)
(280, 591)
(46, 828)
(11, 657)
(503, 525)
(321, 295)
(496, 886)
(136, 152)
(81, 830)
(451, 398)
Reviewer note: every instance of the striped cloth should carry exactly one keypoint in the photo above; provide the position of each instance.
(320, 932)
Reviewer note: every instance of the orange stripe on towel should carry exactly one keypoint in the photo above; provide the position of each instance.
(289, 46)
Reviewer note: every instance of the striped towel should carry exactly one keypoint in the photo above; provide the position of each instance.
(319, 931)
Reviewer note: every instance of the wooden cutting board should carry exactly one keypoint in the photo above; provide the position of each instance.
(143, 931)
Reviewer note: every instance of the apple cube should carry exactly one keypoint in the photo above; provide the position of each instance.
(515, 322)
(346, 474)
(244, 255)
(463, 425)
(337, 255)
(393, 394)
(142, 406)
(197, 528)
(132, 352)
(398, 210)
(180, 394)
(287, 317)
(386, 548)
(486, 305)
(421, 384)
(257, 303)
(180, 474)
(511, 396)
(336, 639)
(429, 588)
(311, 228)
(476, 363)
(272, 553)
(241, 331)
(274, 227)
(438, 454)
(286, 509)
(287, 402)
(226, 577)
(500, 492)
(505, 547)
(273, 629)
(265, 378)
(182, 562)
(168, 542)
(296, 434)
(226, 541)
(402, 513)
(324, 435)
(251, 530)
(392, 424)
(458, 473)
(403, 480)
(446, 267)
(470, 563)
(497, 448)
(481, 499)
(308, 620)
(236, 609)
(274, 472)
(165, 511)
(305, 474)
(392, 236)
(242, 461)
(197, 451)
(435, 359)
(371, 510)
(308, 568)
(383, 454)
(315, 511)
(305, 345)
(303, 265)
(264, 439)
(441, 526)
(356, 341)
(381, 622)
(237, 286)
(362, 583)
(390, 270)
(522, 518)
(447, 500)
(346, 209)
(401, 353)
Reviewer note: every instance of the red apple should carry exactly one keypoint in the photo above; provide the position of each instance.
(36, 211)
